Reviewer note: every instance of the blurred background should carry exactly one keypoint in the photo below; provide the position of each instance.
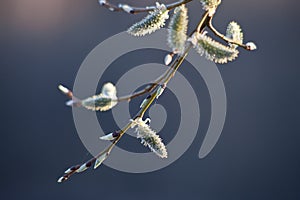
(43, 43)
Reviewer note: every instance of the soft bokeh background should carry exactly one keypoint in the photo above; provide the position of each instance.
(43, 43)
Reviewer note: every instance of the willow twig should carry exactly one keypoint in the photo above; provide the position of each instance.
(155, 88)
(135, 10)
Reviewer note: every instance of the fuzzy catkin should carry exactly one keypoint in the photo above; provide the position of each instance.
(234, 32)
(151, 23)
(214, 50)
(177, 29)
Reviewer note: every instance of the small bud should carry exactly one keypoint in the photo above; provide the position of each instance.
(82, 168)
(73, 168)
(100, 160)
(63, 89)
(109, 90)
(126, 8)
(168, 58)
(145, 101)
(102, 2)
(110, 136)
(251, 46)
(159, 91)
(70, 103)
(62, 179)
(75, 103)
(68, 171)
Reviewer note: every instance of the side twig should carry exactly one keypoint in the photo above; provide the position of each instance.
(223, 37)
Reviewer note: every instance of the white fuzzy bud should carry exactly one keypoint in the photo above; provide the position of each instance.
(159, 91)
(61, 179)
(145, 101)
(102, 2)
(68, 171)
(82, 168)
(109, 90)
(108, 137)
(168, 59)
(63, 89)
(251, 46)
(126, 8)
(100, 160)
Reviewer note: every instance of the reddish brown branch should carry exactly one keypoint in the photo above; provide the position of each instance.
(135, 10)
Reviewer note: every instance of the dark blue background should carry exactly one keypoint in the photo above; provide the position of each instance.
(257, 157)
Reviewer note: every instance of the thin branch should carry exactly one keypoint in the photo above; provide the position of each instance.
(135, 10)
(88, 164)
(167, 76)
(202, 24)
(155, 83)
(84, 166)
(77, 102)
(147, 89)
(150, 87)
